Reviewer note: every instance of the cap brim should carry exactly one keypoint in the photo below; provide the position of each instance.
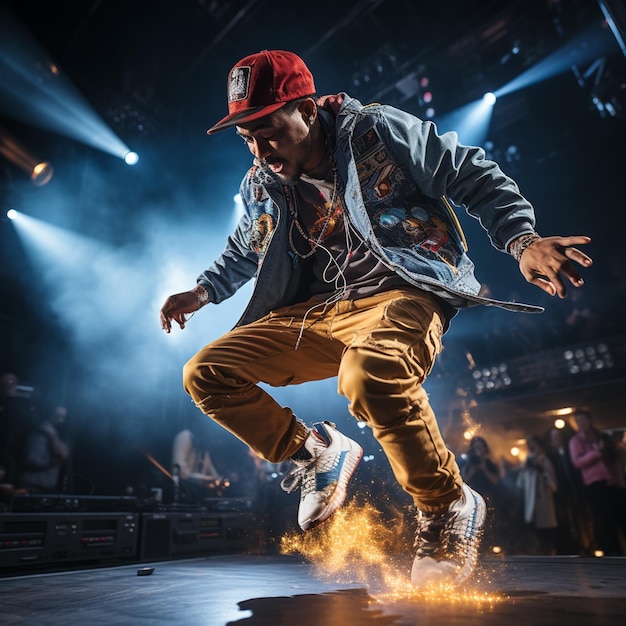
(249, 115)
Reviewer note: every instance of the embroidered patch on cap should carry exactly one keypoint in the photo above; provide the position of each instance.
(239, 83)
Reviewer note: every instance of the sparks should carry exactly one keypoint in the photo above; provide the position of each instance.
(358, 545)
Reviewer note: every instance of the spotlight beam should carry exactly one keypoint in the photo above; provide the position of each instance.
(36, 93)
(580, 51)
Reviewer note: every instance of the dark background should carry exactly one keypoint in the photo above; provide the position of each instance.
(82, 327)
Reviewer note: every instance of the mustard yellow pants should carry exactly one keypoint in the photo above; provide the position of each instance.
(381, 348)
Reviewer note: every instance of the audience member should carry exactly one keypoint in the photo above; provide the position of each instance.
(604, 486)
(479, 469)
(44, 455)
(537, 479)
(192, 466)
(573, 515)
(481, 472)
(17, 417)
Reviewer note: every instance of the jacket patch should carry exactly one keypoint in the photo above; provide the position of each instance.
(366, 142)
(260, 176)
(262, 228)
(259, 193)
(375, 161)
(417, 228)
(379, 177)
(383, 182)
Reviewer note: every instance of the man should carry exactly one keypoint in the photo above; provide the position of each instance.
(360, 264)
(17, 418)
(45, 455)
(195, 475)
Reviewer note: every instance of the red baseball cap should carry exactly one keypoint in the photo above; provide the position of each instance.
(262, 83)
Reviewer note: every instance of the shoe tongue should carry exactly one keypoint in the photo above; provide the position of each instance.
(313, 445)
(316, 442)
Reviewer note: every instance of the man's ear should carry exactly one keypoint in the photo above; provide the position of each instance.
(308, 110)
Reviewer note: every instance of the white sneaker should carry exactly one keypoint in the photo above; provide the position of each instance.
(447, 543)
(323, 468)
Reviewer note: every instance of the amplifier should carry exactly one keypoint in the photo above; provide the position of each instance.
(165, 535)
(55, 538)
(228, 504)
(62, 503)
(240, 531)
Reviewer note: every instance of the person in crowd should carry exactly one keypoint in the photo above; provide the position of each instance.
(573, 516)
(537, 479)
(192, 466)
(481, 472)
(596, 456)
(17, 417)
(45, 455)
(360, 263)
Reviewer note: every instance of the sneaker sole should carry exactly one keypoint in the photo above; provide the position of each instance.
(353, 457)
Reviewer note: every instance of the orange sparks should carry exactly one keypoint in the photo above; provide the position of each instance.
(358, 545)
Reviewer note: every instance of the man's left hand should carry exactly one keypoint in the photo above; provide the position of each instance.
(547, 260)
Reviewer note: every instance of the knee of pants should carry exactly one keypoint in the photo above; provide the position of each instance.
(377, 383)
(204, 375)
(191, 378)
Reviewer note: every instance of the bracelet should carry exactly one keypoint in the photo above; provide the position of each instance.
(517, 247)
(202, 294)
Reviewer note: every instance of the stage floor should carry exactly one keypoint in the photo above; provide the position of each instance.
(277, 590)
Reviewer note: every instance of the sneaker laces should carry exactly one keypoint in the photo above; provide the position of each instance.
(433, 534)
(304, 470)
(301, 475)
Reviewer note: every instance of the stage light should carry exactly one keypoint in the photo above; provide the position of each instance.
(40, 172)
(489, 98)
(471, 122)
(511, 154)
(491, 378)
(131, 158)
(11, 214)
(568, 410)
(559, 424)
(590, 358)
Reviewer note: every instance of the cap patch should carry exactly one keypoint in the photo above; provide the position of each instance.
(239, 83)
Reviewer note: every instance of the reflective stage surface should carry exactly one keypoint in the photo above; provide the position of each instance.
(282, 590)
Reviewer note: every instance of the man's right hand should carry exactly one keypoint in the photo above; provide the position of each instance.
(176, 307)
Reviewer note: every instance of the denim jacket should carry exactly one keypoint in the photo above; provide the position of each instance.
(400, 182)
